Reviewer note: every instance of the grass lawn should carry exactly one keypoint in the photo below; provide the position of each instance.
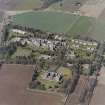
(54, 22)
(21, 52)
(47, 83)
(65, 71)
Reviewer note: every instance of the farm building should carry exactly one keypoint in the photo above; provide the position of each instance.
(53, 76)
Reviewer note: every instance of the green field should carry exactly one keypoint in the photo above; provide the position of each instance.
(54, 22)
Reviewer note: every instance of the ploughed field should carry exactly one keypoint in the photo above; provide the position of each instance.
(19, 4)
(68, 5)
(29, 4)
(58, 22)
(98, 28)
(8, 4)
(14, 80)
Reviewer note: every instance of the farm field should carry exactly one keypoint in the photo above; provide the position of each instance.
(9, 4)
(99, 94)
(14, 80)
(98, 28)
(93, 8)
(29, 4)
(54, 22)
(67, 5)
(19, 4)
